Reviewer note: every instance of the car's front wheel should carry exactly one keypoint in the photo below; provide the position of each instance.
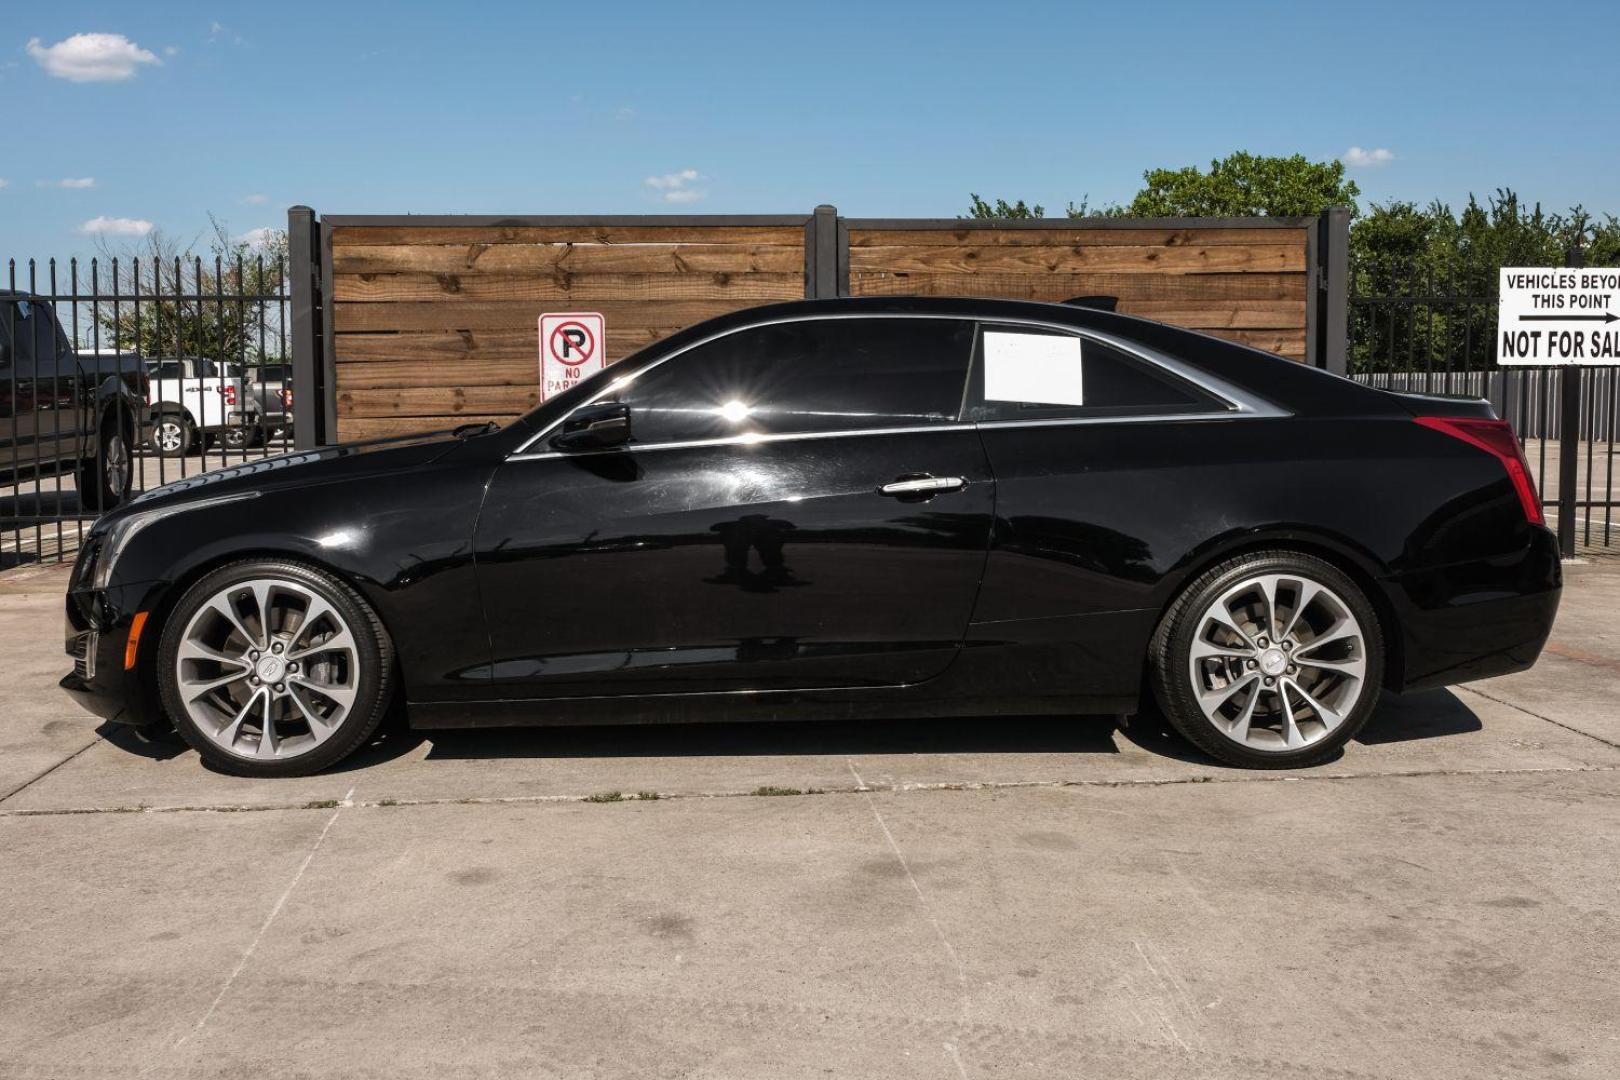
(272, 668)
(1271, 660)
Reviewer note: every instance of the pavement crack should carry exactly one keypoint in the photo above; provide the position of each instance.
(281, 902)
(1539, 716)
(26, 784)
(901, 788)
(922, 900)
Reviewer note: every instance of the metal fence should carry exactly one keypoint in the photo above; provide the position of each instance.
(1419, 327)
(181, 362)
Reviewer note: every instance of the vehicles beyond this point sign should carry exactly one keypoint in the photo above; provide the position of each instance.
(1551, 315)
(573, 345)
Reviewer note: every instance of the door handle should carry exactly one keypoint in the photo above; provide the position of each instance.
(923, 485)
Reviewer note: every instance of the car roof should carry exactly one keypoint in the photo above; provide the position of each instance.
(1291, 383)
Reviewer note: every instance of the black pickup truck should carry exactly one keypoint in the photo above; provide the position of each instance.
(60, 410)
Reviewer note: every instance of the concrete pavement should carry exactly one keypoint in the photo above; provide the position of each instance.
(1029, 898)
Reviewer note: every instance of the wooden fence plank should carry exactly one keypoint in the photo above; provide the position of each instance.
(407, 374)
(354, 235)
(351, 429)
(1290, 343)
(1207, 314)
(564, 285)
(968, 236)
(514, 315)
(1059, 287)
(438, 401)
(460, 346)
(1201, 259)
(589, 258)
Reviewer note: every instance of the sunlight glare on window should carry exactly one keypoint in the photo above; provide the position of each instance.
(735, 411)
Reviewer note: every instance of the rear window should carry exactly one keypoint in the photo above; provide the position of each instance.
(1022, 373)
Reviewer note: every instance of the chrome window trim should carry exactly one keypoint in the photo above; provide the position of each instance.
(747, 439)
(1239, 402)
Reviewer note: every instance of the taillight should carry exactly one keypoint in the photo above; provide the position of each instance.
(228, 392)
(1496, 438)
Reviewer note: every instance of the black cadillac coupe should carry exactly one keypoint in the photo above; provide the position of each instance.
(851, 509)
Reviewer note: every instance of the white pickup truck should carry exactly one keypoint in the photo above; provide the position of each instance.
(192, 399)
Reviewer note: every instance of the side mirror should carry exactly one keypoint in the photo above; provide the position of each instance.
(594, 427)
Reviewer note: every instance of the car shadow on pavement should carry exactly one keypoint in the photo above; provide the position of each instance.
(1427, 714)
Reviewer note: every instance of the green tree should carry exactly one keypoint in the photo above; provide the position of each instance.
(1426, 278)
(221, 305)
(1001, 208)
(1246, 185)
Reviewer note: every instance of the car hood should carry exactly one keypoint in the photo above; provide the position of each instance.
(301, 468)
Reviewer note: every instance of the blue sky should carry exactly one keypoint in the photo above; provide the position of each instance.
(881, 108)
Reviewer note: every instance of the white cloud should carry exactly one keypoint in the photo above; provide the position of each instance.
(258, 238)
(115, 226)
(218, 31)
(255, 199)
(676, 187)
(72, 183)
(91, 57)
(1357, 158)
(4, 183)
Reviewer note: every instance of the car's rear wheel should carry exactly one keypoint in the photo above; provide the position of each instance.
(173, 435)
(1271, 660)
(272, 668)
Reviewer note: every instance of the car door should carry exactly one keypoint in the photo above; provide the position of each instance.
(799, 507)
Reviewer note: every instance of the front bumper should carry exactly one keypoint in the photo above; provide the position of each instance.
(96, 637)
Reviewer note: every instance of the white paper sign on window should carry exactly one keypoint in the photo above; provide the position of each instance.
(1035, 369)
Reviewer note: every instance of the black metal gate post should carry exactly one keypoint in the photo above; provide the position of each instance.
(1569, 437)
(309, 393)
(1331, 304)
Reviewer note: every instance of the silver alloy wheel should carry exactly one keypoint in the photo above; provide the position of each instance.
(267, 669)
(116, 465)
(1278, 662)
(169, 434)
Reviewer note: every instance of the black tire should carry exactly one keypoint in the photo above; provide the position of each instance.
(104, 480)
(375, 682)
(173, 435)
(1171, 659)
(241, 438)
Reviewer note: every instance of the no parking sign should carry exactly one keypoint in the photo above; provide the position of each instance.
(572, 346)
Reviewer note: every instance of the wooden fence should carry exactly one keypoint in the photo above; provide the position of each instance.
(405, 324)
(1246, 284)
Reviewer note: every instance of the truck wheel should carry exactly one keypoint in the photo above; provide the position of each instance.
(173, 436)
(104, 480)
(242, 438)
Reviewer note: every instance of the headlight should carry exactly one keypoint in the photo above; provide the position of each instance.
(122, 531)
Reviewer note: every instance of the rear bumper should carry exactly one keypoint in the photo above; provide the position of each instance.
(1479, 619)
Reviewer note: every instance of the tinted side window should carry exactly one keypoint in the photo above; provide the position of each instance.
(171, 369)
(806, 376)
(1106, 381)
